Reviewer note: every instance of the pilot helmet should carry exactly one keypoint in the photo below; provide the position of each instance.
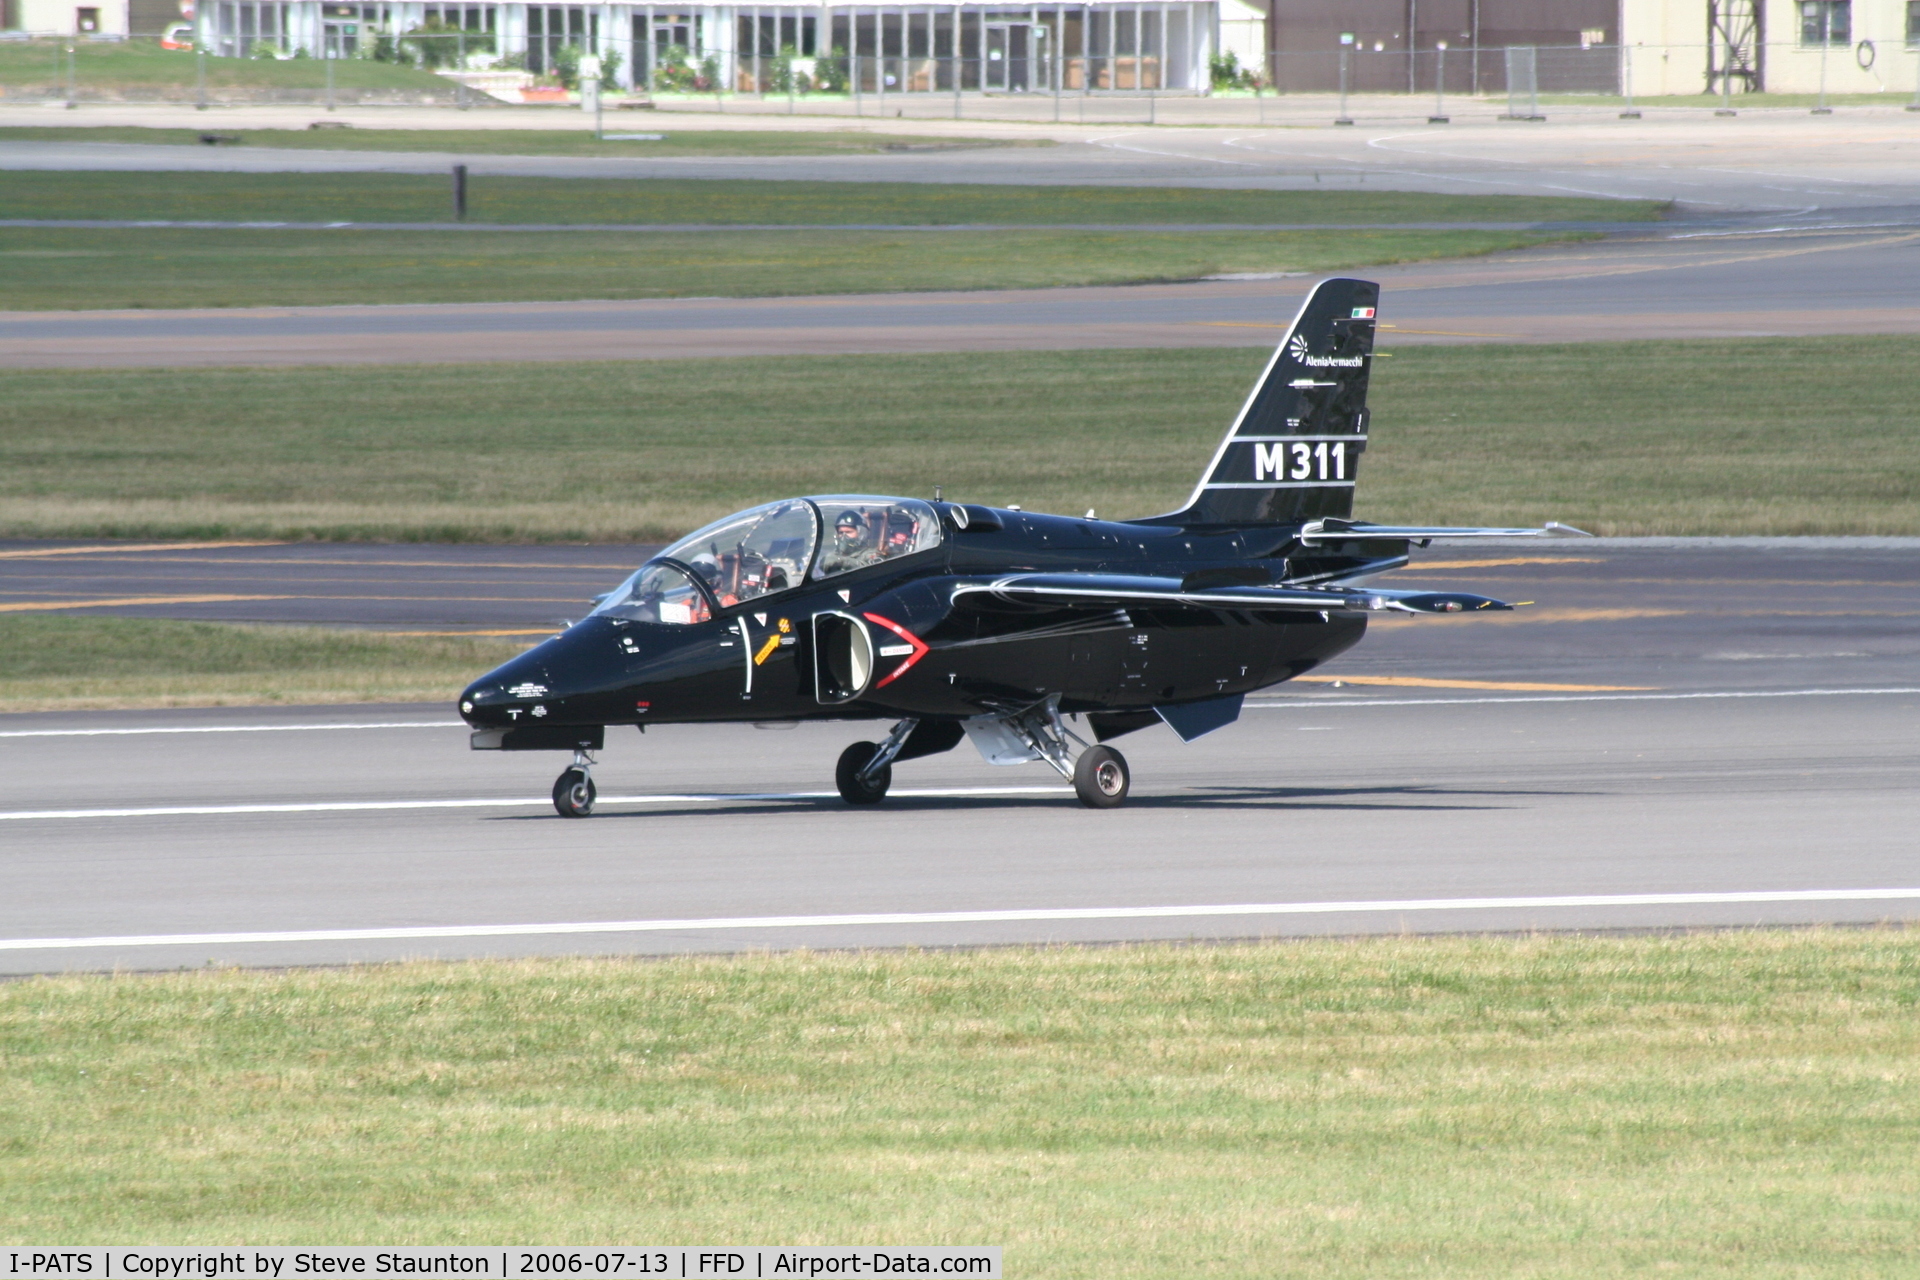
(849, 526)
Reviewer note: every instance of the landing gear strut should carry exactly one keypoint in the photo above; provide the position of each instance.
(1099, 776)
(573, 790)
(865, 770)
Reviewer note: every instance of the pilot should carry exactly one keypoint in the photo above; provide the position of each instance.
(849, 549)
(900, 531)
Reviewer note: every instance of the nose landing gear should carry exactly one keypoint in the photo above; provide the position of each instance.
(865, 769)
(573, 790)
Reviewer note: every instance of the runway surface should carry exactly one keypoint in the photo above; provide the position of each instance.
(1709, 285)
(1670, 731)
(1313, 800)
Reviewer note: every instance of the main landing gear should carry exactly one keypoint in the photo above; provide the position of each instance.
(1100, 778)
(573, 791)
(1099, 774)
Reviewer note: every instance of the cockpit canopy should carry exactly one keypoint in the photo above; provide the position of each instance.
(771, 549)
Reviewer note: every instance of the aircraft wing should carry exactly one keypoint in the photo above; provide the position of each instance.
(1119, 591)
(1315, 532)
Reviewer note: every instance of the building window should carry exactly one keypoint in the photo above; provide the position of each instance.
(1913, 24)
(86, 21)
(551, 28)
(1831, 18)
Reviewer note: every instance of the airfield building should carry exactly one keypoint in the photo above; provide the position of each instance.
(1646, 47)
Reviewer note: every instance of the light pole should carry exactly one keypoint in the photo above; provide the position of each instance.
(1439, 115)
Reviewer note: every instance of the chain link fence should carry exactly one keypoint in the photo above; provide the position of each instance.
(999, 74)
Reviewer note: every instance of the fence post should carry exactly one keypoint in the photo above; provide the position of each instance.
(1626, 81)
(1915, 104)
(72, 88)
(1343, 118)
(199, 77)
(1826, 39)
(1439, 115)
(329, 62)
(1726, 77)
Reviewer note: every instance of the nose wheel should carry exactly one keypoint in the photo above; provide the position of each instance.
(865, 769)
(573, 790)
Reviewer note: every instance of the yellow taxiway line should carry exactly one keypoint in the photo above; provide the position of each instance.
(1512, 686)
(36, 553)
(43, 606)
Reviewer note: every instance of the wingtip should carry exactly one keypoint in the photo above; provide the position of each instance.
(1557, 530)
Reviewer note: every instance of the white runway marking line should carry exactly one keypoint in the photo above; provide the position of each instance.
(1017, 915)
(227, 728)
(498, 802)
(1572, 697)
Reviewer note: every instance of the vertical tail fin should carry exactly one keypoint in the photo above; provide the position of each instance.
(1292, 453)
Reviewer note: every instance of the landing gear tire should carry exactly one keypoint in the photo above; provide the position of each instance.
(573, 794)
(1100, 778)
(853, 788)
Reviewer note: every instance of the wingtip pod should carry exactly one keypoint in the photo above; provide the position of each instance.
(1435, 602)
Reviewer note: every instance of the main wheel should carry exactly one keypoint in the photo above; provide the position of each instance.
(573, 794)
(1100, 778)
(846, 775)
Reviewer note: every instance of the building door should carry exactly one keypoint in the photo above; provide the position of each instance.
(339, 39)
(1009, 65)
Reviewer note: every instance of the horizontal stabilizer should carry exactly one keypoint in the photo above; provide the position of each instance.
(1315, 532)
(1119, 591)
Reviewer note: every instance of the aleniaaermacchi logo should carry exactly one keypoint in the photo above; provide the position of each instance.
(1297, 349)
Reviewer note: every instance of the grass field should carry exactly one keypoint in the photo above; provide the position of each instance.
(399, 197)
(142, 70)
(1752, 436)
(577, 141)
(42, 269)
(66, 268)
(1734, 1104)
(65, 663)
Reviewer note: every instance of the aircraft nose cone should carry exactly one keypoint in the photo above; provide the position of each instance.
(474, 700)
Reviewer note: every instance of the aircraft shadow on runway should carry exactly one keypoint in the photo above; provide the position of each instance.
(1211, 799)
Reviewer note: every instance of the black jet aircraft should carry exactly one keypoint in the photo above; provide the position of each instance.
(1007, 627)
